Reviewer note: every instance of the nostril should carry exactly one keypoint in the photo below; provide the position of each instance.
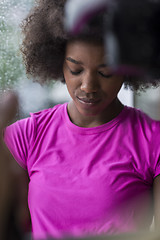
(88, 89)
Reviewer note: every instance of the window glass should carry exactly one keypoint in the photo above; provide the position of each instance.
(11, 14)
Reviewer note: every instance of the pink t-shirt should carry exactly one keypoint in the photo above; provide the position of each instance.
(87, 181)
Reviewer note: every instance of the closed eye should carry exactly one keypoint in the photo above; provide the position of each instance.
(105, 75)
(76, 72)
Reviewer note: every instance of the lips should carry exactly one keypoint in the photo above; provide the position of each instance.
(89, 101)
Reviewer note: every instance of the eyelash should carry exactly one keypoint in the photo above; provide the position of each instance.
(105, 76)
(78, 72)
(75, 73)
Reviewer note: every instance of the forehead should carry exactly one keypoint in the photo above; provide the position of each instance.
(87, 52)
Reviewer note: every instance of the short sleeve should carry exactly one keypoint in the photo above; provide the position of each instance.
(18, 137)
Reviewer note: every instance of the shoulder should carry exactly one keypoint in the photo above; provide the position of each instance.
(47, 112)
(140, 125)
(143, 135)
(21, 136)
(28, 126)
(138, 117)
(47, 115)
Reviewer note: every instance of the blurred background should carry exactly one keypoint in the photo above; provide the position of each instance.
(12, 75)
(12, 72)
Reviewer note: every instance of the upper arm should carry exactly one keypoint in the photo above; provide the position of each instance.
(17, 138)
(156, 196)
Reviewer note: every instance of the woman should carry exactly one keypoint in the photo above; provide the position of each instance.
(92, 163)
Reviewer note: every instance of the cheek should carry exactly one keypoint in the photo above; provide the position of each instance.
(117, 88)
(113, 88)
(72, 85)
(72, 82)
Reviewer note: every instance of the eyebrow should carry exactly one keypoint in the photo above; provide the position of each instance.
(73, 60)
(79, 62)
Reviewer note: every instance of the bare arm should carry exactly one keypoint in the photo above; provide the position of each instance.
(156, 194)
(8, 107)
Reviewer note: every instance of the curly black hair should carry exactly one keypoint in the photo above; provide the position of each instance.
(44, 44)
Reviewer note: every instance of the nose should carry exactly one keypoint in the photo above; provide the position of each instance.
(90, 83)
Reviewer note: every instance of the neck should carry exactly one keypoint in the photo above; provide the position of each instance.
(107, 115)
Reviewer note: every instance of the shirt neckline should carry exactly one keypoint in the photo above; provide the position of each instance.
(93, 130)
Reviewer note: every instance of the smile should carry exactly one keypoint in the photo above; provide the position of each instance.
(88, 101)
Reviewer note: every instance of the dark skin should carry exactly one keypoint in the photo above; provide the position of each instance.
(11, 174)
(92, 86)
(88, 78)
(94, 90)
(7, 112)
(156, 197)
